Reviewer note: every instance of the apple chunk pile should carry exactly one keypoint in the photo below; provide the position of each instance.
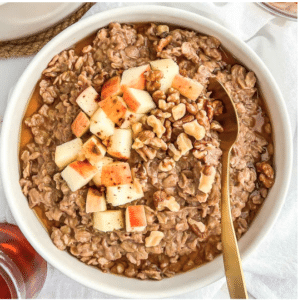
(108, 118)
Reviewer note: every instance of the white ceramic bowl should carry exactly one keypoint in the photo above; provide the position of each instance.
(92, 277)
(18, 20)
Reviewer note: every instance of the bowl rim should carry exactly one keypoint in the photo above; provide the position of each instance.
(15, 96)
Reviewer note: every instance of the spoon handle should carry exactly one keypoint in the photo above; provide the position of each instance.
(232, 261)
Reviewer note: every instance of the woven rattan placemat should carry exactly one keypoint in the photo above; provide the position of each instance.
(32, 44)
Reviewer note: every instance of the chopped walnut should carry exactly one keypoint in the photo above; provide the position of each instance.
(201, 197)
(137, 144)
(157, 113)
(216, 126)
(200, 103)
(158, 95)
(267, 174)
(152, 83)
(143, 120)
(169, 203)
(137, 128)
(162, 29)
(154, 239)
(166, 165)
(194, 129)
(176, 154)
(157, 144)
(162, 201)
(163, 43)
(210, 111)
(166, 115)
(187, 119)
(177, 124)
(157, 126)
(217, 107)
(192, 108)
(173, 96)
(146, 153)
(203, 145)
(152, 80)
(149, 152)
(198, 227)
(168, 127)
(146, 136)
(184, 143)
(178, 111)
(265, 168)
(200, 154)
(207, 179)
(202, 119)
(162, 104)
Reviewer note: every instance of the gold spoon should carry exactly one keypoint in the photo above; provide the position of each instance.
(232, 262)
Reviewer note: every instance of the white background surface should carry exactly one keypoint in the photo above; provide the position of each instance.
(271, 271)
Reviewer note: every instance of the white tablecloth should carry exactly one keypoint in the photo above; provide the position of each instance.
(271, 271)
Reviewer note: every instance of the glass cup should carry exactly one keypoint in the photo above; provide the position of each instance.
(22, 270)
(286, 10)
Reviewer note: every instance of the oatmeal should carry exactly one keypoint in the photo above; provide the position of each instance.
(122, 153)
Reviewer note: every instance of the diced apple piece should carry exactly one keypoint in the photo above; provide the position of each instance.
(78, 174)
(111, 88)
(88, 101)
(134, 78)
(99, 165)
(114, 107)
(101, 125)
(135, 218)
(108, 220)
(96, 201)
(125, 193)
(129, 119)
(94, 150)
(187, 87)
(68, 152)
(138, 101)
(169, 69)
(115, 174)
(80, 125)
(119, 144)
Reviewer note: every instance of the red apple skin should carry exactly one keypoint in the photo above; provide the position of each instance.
(130, 100)
(111, 88)
(187, 87)
(114, 108)
(137, 83)
(84, 168)
(136, 216)
(80, 125)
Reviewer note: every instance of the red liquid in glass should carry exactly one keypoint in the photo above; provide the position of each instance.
(31, 265)
(4, 289)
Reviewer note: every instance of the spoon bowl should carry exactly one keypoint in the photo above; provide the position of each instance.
(229, 118)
